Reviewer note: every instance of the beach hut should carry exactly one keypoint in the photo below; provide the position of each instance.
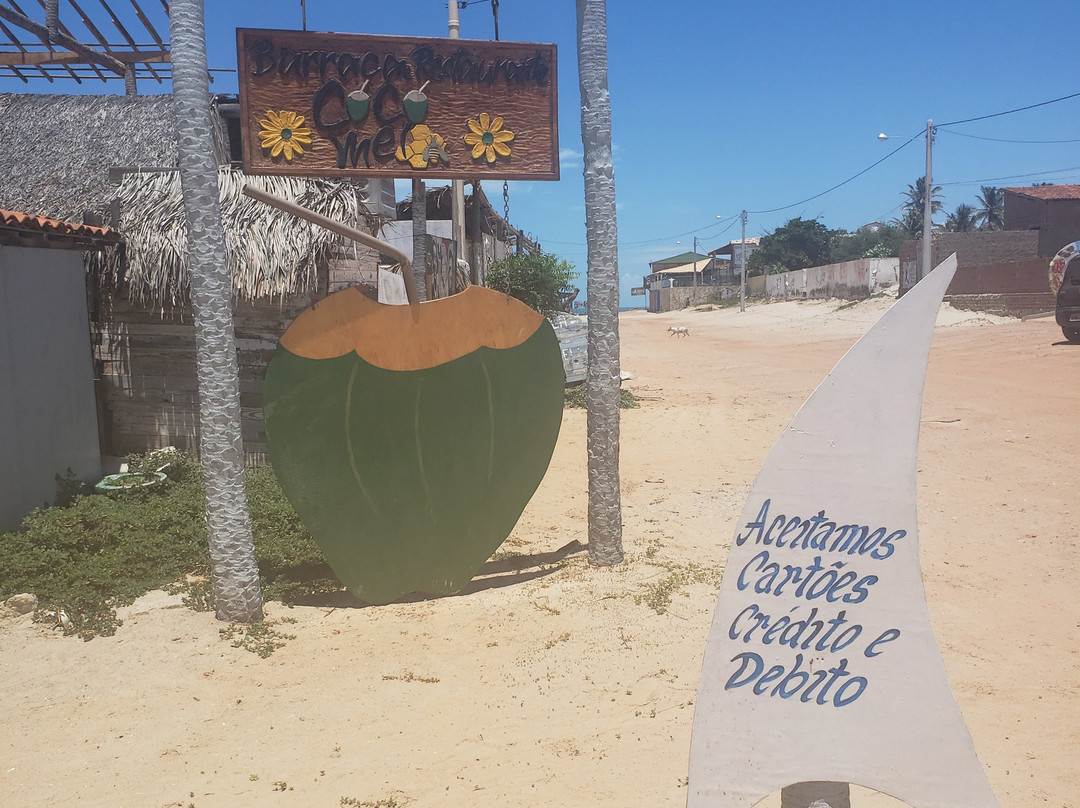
(111, 160)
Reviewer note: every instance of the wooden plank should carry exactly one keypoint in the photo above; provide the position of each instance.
(374, 105)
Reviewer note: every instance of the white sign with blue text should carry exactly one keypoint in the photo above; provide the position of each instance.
(821, 663)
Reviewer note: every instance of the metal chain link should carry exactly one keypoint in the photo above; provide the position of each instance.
(506, 201)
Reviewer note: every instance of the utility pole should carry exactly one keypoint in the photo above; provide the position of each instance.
(742, 264)
(695, 263)
(928, 205)
(457, 214)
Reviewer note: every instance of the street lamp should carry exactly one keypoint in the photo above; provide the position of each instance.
(927, 198)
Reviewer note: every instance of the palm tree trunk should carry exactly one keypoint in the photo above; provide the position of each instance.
(602, 380)
(232, 551)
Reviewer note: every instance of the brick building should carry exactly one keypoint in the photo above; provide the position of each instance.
(1052, 210)
(1005, 271)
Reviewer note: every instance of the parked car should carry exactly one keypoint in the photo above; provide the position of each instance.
(1068, 302)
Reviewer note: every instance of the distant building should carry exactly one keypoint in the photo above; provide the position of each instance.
(738, 251)
(686, 270)
(1053, 210)
(676, 261)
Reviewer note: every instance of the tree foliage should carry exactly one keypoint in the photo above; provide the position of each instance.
(541, 281)
(884, 242)
(915, 195)
(798, 244)
(965, 219)
(991, 208)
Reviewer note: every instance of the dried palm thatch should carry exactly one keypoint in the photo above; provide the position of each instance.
(58, 149)
(270, 254)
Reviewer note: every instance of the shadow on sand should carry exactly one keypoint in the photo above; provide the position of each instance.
(493, 575)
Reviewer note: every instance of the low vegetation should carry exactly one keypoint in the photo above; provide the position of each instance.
(101, 551)
(575, 397)
(544, 282)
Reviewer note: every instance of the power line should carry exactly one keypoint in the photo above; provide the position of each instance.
(1011, 111)
(879, 162)
(840, 184)
(1015, 176)
(909, 140)
(1003, 140)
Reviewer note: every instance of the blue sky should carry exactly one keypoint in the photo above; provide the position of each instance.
(724, 106)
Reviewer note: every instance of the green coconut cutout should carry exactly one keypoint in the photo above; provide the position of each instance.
(410, 438)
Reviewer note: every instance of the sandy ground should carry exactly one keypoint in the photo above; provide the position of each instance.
(550, 683)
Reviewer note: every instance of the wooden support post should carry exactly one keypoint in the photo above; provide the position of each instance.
(419, 224)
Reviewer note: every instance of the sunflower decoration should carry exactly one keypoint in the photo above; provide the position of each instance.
(423, 149)
(284, 133)
(488, 138)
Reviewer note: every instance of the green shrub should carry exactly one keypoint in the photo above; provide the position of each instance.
(575, 397)
(541, 281)
(104, 551)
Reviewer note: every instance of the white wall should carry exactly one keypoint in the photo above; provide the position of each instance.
(48, 414)
(399, 233)
(851, 280)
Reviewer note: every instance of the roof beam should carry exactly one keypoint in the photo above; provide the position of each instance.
(92, 56)
(8, 58)
(52, 33)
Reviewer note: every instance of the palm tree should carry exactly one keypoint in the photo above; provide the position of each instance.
(602, 379)
(910, 222)
(232, 552)
(964, 219)
(915, 205)
(991, 211)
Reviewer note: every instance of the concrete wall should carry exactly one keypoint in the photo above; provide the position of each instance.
(998, 262)
(850, 280)
(680, 297)
(48, 416)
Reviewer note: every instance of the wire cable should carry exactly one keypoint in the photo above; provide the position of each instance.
(1015, 176)
(1003, 140)
(1011, 111)
(840, 184)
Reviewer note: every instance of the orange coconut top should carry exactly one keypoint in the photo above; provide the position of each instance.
(410, 337)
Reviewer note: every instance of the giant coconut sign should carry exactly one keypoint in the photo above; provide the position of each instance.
(410, 438)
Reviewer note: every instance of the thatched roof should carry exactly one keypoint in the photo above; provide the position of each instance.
(270, 253)
(58, 149)
(115, 156)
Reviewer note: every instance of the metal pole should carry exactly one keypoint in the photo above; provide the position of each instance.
(927, 202)
(457, 193)
(742, 264)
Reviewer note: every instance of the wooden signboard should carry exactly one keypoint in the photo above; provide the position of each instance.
(821, 664)
(380, 106)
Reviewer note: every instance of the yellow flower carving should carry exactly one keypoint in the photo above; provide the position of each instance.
(488, 138)
(424, 149)
(284, 133)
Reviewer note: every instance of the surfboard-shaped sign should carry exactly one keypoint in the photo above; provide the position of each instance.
(821, 663)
